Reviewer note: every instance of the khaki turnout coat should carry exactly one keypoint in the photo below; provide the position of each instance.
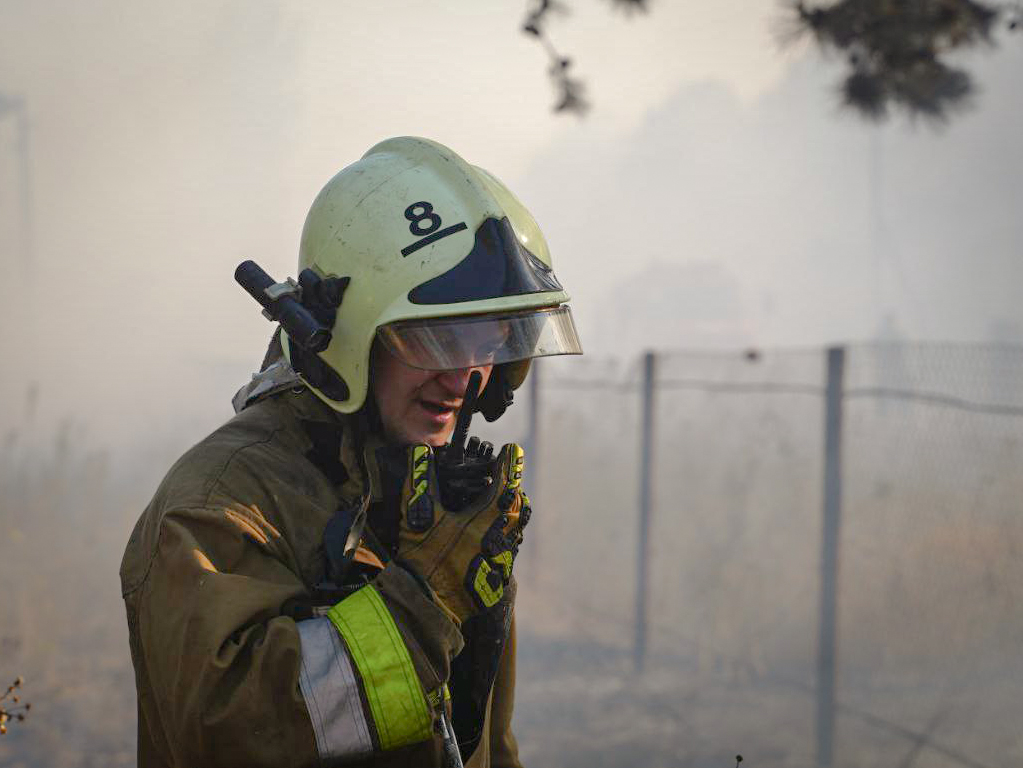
(235, 663)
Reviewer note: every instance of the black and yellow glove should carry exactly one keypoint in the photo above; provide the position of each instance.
(464, 557)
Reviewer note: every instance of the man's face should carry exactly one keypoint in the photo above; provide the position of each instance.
(418, 406)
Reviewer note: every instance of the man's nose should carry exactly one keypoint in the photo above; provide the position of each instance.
(455, 381)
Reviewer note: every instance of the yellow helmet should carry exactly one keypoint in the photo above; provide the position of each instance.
(442, 264)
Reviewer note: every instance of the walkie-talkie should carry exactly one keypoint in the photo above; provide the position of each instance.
(464, 470)
(455, 470)
(472, 392)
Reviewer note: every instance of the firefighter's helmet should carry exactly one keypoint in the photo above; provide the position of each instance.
(446, 268)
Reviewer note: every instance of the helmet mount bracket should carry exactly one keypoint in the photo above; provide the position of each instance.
(306, 310)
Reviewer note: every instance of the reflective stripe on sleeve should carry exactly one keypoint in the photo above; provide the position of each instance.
(396, 698)
(331, 692)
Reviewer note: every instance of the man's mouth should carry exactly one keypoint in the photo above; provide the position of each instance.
(439, 409)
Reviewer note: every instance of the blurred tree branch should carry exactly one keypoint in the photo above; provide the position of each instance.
(571, 90)
(896, 49)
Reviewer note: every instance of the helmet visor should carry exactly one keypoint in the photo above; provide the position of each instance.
(472, 341)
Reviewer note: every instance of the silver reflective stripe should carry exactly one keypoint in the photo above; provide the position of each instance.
(331, 692)
(271, 379)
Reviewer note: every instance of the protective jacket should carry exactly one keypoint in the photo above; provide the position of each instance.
(239, 654)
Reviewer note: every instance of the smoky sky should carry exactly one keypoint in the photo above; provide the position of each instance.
(168, 143)
(788, 221)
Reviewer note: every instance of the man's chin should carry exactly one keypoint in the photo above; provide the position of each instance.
(434, 438)
(437, 439)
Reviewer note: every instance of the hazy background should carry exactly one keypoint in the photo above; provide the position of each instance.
(715, 198)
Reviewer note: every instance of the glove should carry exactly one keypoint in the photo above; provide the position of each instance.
(464, 557)
(464, 474)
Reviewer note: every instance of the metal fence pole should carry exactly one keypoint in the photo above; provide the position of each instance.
(532, 449)
(15, 105)
(827, 638)
(533, 419)
(646, 442)
(27, 214)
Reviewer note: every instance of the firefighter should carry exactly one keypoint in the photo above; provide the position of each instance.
(324, 579)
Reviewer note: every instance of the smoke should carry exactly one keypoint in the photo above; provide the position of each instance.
(822, 224)
(167, 143)
(159, 155)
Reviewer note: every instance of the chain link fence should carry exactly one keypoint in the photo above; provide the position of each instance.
(731, 629)
(723, 653)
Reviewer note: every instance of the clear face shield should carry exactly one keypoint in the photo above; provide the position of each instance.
(473, 341)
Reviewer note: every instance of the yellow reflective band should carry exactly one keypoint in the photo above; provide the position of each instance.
(488, 596)
(397, 701)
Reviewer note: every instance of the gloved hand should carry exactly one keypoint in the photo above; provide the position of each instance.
(464, 474)
(464, 557)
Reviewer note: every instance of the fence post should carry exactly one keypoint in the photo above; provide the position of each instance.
(532, 449)
(27, 213)
(19, 113)
(646, 441)
(827, 635)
